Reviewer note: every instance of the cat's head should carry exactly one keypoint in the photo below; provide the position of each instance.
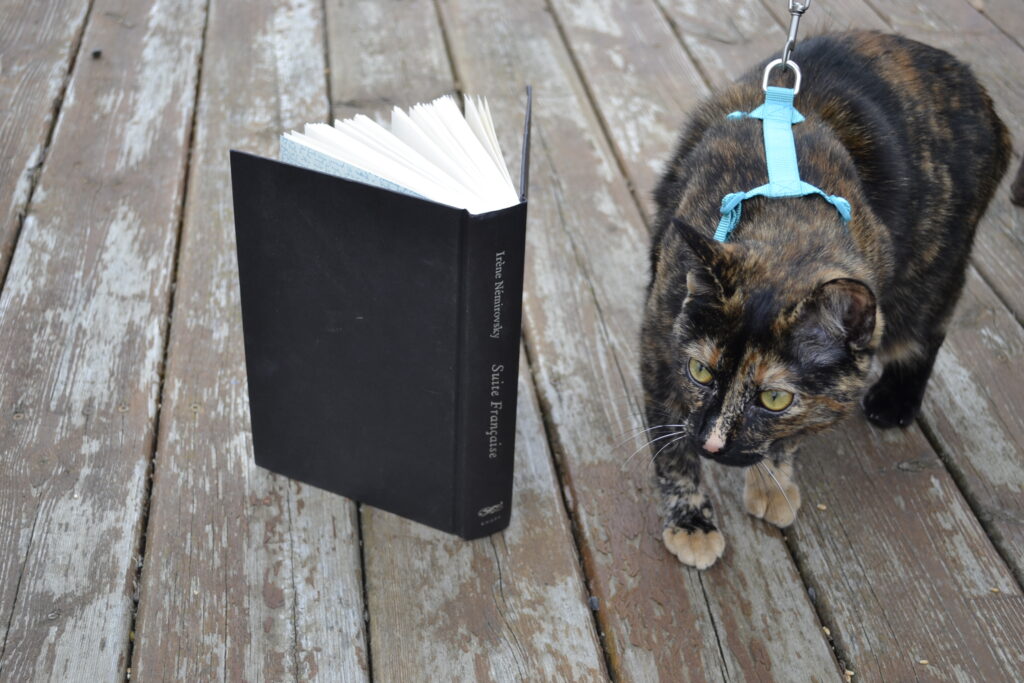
(760, 351)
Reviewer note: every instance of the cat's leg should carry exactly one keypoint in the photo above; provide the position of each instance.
(690, 533)
(770, 492)
(895, 398)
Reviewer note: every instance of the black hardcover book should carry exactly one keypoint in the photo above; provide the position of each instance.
(382, 339)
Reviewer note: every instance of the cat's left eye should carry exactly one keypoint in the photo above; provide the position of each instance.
(699, 372)
(776, 399)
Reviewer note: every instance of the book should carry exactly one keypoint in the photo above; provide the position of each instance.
(381, 274)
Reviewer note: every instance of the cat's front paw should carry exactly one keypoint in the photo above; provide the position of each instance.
(775, 500)
(697, 548)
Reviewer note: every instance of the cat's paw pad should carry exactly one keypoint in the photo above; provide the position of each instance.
(696, 548)
(887, 407)
(775, 503)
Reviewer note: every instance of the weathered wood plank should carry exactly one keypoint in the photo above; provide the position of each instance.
(724, 40)
(901, 568)
(1006, 15)
(247, 576)
(81, 338)
(37, 44)
(623, 48)
(384, 54)
(511, 606)
(828, 16)
(585, 280)
(972, 408)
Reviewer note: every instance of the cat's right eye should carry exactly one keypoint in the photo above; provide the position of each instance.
(776, 400)
(700, 373)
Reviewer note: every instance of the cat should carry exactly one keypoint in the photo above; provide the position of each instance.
(750, 343)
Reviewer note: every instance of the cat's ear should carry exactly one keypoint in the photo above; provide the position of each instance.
(708, 271)
(845, 309)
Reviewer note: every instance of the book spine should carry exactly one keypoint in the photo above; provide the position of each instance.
(491, 301)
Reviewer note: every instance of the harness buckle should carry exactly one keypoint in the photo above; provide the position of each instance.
(774, 63)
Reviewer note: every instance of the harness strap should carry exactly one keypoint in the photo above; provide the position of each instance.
(778, 116)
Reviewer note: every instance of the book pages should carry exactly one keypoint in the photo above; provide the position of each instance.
(431, 151)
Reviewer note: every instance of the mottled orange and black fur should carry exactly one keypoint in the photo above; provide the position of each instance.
(797, 300)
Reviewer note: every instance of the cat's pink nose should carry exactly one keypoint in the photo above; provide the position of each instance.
(714, 443)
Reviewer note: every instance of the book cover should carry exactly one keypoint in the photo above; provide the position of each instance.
(382, 336)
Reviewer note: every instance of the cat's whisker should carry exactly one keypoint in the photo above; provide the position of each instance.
(760, 475)
(641, 430)
(655, 456)
(637, 419)
(781, 490)
(634, 430)
(666, 436)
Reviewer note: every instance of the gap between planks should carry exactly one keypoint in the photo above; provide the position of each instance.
(140, 548)
(37, 171)
(557, 452)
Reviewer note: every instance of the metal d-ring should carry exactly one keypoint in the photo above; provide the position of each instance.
(774, 63)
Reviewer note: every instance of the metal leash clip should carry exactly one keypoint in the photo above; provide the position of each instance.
(796, 10)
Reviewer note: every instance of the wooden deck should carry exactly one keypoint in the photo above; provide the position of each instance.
(140, 540)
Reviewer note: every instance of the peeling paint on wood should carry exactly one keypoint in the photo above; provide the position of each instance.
(899, 563)
(247, 576)
(620, 64)
(385, 54)
(972, 407)
(37, 40)
(81, 335)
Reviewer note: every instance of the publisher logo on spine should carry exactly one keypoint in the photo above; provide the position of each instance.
(491, 509)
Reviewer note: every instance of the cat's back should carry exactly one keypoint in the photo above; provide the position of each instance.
(914, 118)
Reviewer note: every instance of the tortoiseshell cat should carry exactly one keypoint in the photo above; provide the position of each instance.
(750, 343)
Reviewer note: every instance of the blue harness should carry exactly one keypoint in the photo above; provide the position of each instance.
(778, 115)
